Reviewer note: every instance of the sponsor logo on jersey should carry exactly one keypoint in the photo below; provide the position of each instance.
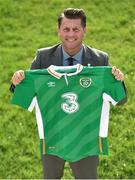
(70, 104)
(51, 84)
(85, 82)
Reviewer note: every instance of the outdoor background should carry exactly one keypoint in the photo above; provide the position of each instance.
(25, 26)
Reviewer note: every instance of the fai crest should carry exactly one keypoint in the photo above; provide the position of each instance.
(85, 82)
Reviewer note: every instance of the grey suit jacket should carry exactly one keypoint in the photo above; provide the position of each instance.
(53, 56)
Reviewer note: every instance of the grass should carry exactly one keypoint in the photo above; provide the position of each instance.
(26, 26)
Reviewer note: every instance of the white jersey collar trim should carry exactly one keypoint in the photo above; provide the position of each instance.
(52, 70)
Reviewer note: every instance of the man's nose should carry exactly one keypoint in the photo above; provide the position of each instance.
(71, 33)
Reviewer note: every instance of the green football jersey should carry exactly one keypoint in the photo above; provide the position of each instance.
(72, 108)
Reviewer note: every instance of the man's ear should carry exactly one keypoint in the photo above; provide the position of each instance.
(58, 30)
(85, 30)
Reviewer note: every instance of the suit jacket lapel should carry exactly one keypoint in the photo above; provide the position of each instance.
(87, 56)
(57, 56)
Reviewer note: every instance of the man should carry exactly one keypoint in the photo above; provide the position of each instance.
(71, 51)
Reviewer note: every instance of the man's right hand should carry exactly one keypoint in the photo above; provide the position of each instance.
(17, 77)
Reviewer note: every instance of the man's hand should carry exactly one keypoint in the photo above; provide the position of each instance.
(17, 77)
(117, 74)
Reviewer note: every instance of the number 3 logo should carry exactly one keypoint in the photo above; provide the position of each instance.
(70, 105)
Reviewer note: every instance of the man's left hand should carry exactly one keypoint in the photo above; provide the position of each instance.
(117, 74)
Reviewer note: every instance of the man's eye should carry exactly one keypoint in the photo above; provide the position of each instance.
(66, 30)
(76, 30)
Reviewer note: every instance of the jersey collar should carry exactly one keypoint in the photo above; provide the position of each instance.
(53, 70)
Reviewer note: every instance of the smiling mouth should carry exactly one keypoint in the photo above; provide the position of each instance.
(70, 40)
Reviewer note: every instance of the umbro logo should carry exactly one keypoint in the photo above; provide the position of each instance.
(51, 84)
(52, 147)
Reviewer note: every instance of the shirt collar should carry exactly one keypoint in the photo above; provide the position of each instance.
(77, 56)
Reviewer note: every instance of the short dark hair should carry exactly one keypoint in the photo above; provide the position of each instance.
(73, 13)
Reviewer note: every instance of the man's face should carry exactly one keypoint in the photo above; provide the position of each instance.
(71, 33)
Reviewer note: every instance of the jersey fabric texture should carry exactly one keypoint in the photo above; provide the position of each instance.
(72, 108)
